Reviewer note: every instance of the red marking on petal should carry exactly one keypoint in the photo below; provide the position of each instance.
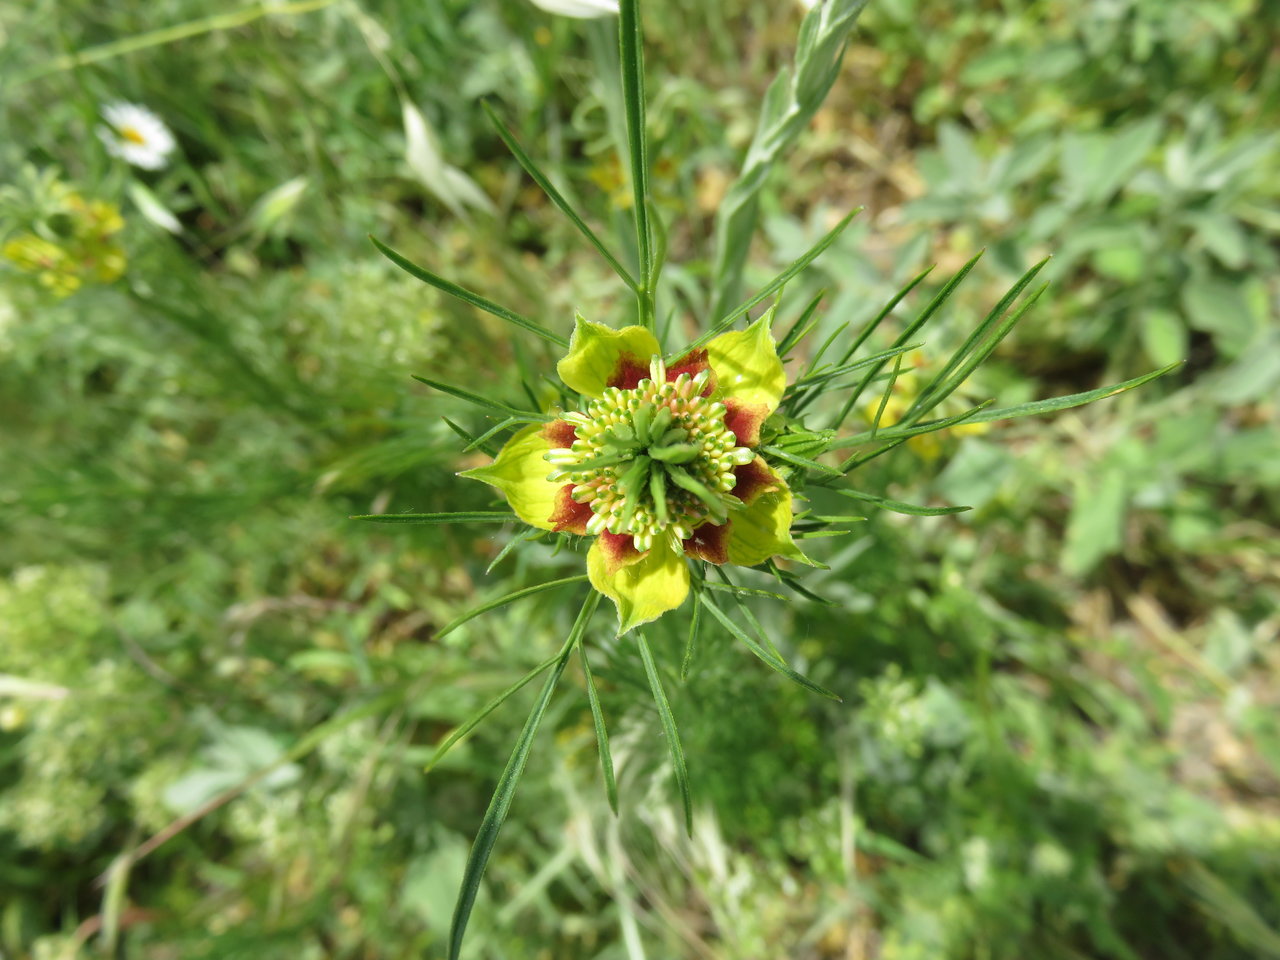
(570, 515)
(559, 434)
(693, 363)
(619, 551)
(710, 542)
(745, 420)
(629, 372)
(754, 479)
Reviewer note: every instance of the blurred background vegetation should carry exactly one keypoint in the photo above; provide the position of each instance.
(1060, 732)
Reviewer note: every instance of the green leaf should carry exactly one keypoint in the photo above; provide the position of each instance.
(935, 304)
(887, 309)
(897, 506)
(555, 196)
(669, 729)
(776, 284)
(500, 804)
(1038, 407)
(772, 661)
(695, 623)
(803, 325)
(1164, 336)
(906, 433)
(466, 296)
(503, 601)
(602, 735)
(798, 461)
(466, 516)
(477, 718)
(978, 357)
(631, 51)
(527, 416)
(972, 341)
(470, 437)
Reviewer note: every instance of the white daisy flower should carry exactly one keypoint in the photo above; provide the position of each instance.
(582, 9)
(136, 135)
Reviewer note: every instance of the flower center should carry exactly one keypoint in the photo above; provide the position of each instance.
(132, 135)
(657, 460)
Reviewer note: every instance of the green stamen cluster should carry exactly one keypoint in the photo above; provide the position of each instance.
(654, 461)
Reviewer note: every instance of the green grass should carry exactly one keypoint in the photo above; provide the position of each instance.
(1057, 736)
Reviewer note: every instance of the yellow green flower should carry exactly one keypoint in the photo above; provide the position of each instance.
(74, 242)
(659, 464)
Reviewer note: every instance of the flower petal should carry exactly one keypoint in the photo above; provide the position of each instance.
(762, 530)
(710, 542)
(601, 357)
(747, 367)
(569, 515)
(644, 590)
(754, 479)
(520, 473)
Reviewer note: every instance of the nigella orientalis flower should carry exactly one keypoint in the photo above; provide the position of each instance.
(659, 464)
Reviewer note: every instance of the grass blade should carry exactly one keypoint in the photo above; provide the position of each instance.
(798, 461)
(466, 296)
(503, 601)
(776, 284)
(465, 516)
(763, 654)
(500, 804)
(602, 734)
(900, 433)
(470, 437)
(556, 197)
(669, 728)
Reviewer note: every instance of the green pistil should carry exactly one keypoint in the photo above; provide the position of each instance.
(654, 462)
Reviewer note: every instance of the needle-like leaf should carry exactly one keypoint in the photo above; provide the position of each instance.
(502, 601)
(500, 804)
(764, 654)
(465, 516)
(602, 734)
(669, 729)
(556, 197)
(466, 296)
